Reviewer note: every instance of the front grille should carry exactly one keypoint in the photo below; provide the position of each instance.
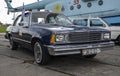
(81, 37)
(94, 36)
(84, 36)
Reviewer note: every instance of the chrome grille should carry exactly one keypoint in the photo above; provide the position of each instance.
(94, 36)
(84, 36)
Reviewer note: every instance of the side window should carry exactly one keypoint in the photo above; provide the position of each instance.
(17, 21)
(36, 18)
(41, 20)
(96, 22)
(26, 20)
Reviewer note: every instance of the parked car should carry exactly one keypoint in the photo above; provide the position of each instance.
(100, 23)
(51, 34)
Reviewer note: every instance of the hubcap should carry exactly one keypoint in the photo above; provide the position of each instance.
(38, 52)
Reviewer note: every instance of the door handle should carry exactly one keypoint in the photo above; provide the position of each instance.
(25, 26)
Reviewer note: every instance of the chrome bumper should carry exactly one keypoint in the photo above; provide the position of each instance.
(76, 49)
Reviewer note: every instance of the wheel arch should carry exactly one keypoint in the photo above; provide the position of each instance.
(118, 37)
(35, 39)
(9, 35)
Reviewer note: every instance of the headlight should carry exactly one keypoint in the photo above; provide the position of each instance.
(60, 38)
(106, 35)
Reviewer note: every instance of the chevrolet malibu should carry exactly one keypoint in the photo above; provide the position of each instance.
(51, 34)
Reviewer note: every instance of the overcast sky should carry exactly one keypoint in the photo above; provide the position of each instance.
(4, 18)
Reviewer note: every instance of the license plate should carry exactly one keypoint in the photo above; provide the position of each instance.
(90, 51)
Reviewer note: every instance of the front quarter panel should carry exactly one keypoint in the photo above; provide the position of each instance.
(42, 34)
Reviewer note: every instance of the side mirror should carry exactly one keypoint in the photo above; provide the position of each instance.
(74, 22)
(25, 26)
(10, 1)
(21, 24)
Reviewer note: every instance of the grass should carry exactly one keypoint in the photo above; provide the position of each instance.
(3, 29)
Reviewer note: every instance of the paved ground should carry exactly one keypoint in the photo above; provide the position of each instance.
(21, 63)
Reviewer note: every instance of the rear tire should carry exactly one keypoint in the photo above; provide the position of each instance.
(41, 54)
(90, 56)
(13, 45)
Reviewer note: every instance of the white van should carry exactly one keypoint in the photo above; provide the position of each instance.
(107, 23)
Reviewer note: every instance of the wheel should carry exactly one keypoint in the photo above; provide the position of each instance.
(119, 40)
(13, 45)
(41, 54)
(90, 56)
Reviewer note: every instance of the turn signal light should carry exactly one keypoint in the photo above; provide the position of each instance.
(52, 38)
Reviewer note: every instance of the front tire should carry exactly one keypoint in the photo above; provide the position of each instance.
(13, 45)
(41, 54)
(90, 56)
(119, 40)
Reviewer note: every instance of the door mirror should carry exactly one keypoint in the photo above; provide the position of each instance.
(74, 22)
(21, 24)
(25, 26)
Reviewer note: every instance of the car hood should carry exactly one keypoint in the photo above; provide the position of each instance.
(72, 28)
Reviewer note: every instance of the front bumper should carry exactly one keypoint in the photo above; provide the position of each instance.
(76, 49)
(6, 37)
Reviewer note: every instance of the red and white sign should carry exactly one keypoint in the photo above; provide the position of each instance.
(76, 2)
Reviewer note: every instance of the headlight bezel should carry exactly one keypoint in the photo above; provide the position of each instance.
(59, 38)
(106, 36)
(64, 35)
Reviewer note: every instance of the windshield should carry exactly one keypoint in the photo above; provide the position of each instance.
(58, 19)
(81, 22)
(51, 19)
(62, 20)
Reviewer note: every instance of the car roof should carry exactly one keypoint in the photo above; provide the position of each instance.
(43, 14)
(85, 18)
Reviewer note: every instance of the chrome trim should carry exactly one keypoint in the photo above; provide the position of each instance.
(22, 40)
(88, 38)
(76, 49)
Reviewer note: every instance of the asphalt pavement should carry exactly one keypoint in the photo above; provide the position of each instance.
(21, 63)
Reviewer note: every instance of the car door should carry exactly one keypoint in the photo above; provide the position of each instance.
(25, 30)
(16, 29)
